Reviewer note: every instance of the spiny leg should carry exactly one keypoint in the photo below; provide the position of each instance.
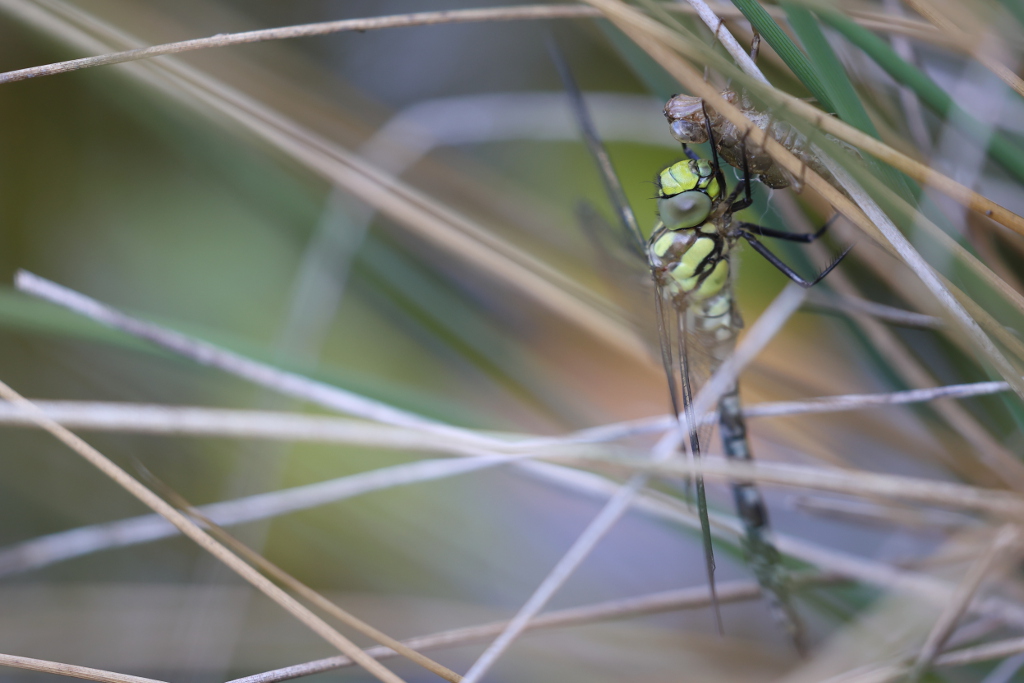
(806, 238)
(690, 154)
(785, 269)
(713, 144)
(748, 197)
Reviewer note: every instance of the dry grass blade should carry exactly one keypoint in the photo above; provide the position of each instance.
(964, 28)
(65, 545)
(882, 312)
(304, 31)
(70, 670)
(298, 427)
(201, 352)
(1002, 504)
(201, 538)
(728, 41)
(1006, 538)
(520, 13)
(981, 653)
(829, 404)
(885, 516)
(920, 172)
(687, 598)
(307, 593)
(244, 424)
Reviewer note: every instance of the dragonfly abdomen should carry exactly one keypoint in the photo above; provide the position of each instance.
(749, 503)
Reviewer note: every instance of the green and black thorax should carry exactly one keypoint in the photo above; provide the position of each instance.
(689, 249)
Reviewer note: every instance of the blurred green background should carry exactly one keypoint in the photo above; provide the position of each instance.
(155, 205)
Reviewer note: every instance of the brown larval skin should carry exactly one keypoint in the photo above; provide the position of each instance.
(689, 119)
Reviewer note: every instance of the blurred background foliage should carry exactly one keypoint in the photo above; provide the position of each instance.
(161, 208)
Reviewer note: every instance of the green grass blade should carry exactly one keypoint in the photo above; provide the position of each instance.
(841, 91)
(830, 71)
(794, 57)
(1000, 148)
(1015, 8)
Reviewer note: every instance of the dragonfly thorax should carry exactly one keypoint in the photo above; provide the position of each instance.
(690, 265)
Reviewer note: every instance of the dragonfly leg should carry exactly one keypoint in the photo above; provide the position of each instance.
(785, 269)
(789, 236)
(715, 163)
(690, 154)
(748, 199)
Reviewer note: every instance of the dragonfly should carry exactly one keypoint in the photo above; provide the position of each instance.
(689, 255)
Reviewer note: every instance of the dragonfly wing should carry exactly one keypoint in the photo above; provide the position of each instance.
(673, 332)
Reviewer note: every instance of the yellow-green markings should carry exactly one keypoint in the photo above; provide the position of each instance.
(687, 175)
(662, 244)
(687, 191)
(690, 263)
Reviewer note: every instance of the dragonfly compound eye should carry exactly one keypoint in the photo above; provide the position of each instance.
(684, 210)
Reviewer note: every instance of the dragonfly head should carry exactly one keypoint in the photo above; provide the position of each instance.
(687, 191)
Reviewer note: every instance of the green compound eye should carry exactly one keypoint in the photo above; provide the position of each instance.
(684, 210)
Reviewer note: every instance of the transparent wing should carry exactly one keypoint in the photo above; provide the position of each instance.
(626, 275)
(687, 367)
